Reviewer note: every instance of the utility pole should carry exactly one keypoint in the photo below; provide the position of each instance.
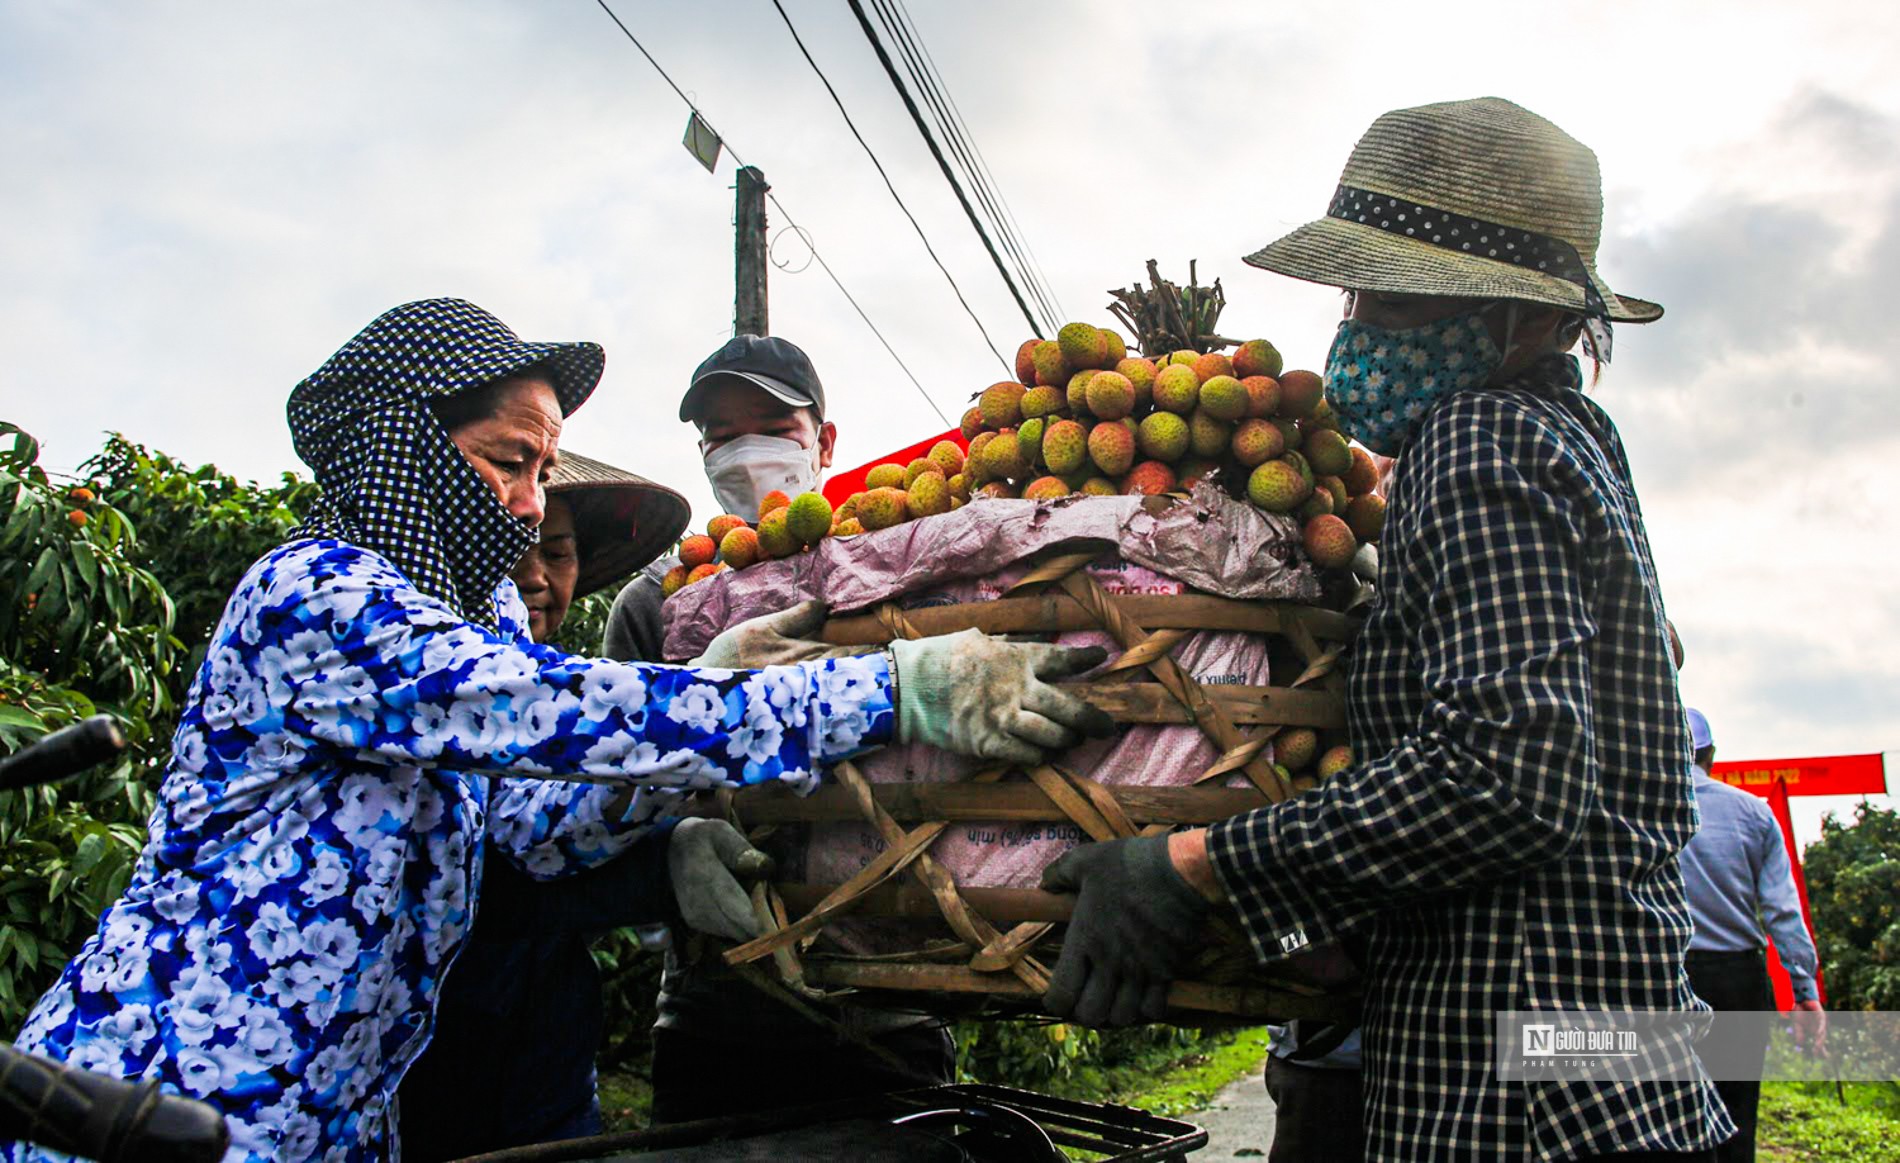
(748, 301)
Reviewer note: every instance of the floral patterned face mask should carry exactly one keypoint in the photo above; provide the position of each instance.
(1381, 382)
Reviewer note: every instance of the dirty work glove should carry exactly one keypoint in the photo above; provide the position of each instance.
(981, 696)
(705, 859)
(774, 640)
(1136, 927)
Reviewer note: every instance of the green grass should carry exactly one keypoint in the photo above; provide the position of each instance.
(626, 1101)
(1806, 1122)
(1175, 1085)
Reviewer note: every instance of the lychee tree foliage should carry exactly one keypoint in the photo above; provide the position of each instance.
(84, 628)
(1853, 874)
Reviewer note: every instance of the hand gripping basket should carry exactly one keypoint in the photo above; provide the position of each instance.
(903, 926)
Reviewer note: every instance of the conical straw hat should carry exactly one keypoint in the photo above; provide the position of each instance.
(1479, 198)
(621, 520)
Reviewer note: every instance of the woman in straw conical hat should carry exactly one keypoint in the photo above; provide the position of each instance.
(1507, 839)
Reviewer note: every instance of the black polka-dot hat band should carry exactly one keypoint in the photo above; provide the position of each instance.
(1480, 199)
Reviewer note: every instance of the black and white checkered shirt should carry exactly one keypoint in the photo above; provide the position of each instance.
(1509, 841)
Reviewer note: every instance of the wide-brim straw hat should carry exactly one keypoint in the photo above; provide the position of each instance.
(1479, 198)
(622, 520)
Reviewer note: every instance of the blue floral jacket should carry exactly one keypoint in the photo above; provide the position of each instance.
(312, 865)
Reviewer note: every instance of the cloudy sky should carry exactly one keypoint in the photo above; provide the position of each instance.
(201, 200)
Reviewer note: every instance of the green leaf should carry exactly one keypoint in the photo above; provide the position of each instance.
(91, 849)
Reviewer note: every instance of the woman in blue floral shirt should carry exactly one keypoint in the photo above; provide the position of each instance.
(313, 864)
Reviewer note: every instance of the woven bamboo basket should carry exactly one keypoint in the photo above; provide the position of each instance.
(997, 945)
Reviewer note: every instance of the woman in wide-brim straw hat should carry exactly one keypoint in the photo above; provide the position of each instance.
(602, 524)
(1507, 839)
(370, 710)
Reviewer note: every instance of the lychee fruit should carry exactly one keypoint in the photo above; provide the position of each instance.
(1337, 488)
(1064, 447)
(1297, 748)
(1317, 505)
(1043, 401)
(1363, 476)
(1290, 433)
(1162, 436)
(1213, 364)
(724, 523)
(698, 550)
(1277, 487)
(1336, 759)
(674, 579)
(1099, 487)
(1051, 369)
(1176, 389)
(1029, 440)
(998, 490)
(1149, 478)
(1208, 436)
(948, 456)
(700, 573)
(1117, 350)
(849, 527)
(1263, 396)
(960, 487)
(776, 499)
(1141, 373)
(1195, 469)
(973, 465)
(775, 536)
(929, 495)
(1223, 398)
(740, 547)
(1365, 515)
(883, 508)
(1112, 448)
(1257, 442)
(1003, 457)
(1184, 356)
(919, 467)
(1076, 392)
(1110, 395)
(1045, 489)
(1256, 357)
(1329, 542)
(808, 517)
(1328, 452)
(1300, 393)
(1002, 404)
(1322, 416)
(972, 423)
(1081, 345)
(1303, 466)
(1026, 362)
(885, 476)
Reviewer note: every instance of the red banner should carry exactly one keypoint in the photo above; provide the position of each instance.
(1836, 775)
(842, 485)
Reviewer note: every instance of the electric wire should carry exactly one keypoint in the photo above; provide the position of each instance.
(789, 220)
(959, 153)
(890, 70)
(1008, 367)
(962, 149)
(959, 125)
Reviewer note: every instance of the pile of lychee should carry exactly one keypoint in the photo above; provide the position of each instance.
(786, 526)
(1084, 416)
(1303, 760)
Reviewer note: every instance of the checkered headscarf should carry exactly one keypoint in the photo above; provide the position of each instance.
(392, 480)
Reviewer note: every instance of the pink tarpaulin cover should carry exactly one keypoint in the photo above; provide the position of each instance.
(1151, 546)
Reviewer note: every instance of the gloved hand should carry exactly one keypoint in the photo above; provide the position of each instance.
(1135, 929)
(704, 860)
(774, 640)
(981, 696)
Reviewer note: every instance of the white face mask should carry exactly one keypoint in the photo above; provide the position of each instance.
(742, 470)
